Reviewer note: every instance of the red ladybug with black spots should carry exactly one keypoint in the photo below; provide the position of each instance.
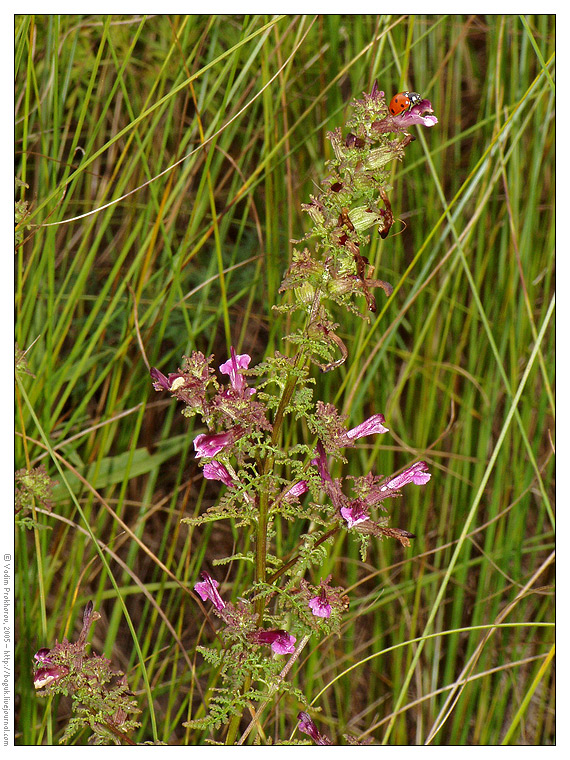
(403, 101)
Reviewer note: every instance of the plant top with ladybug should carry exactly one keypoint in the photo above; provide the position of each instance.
(354, 199)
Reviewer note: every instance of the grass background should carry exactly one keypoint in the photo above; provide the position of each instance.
(166, 159)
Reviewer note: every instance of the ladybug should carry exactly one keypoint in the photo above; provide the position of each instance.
(403, 101)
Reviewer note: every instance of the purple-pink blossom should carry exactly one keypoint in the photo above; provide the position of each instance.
(217, 471)
(163, 383)
(421, 113)
(296, 490)
(45, 676)
(370, 426)
(281, 641)
(232, 367)
(307, 726)
(208, 589)
(320, 606)
(320, 462)
(209, 444)
(354, 514)
(417, 474)
(43, 655)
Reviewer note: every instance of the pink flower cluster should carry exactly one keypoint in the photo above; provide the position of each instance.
(356, 511)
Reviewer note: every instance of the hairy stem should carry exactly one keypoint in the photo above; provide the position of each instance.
(234, 722)
(262, 523)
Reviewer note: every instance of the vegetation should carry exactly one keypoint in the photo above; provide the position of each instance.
(161, 167)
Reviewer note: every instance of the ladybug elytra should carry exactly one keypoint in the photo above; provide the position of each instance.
(403, 101)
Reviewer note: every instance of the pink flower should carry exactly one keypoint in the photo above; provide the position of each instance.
(418, 114)
(281, 641)
(163, 383)
(296, 490)
(320, 462)
(417, 474)
(354, 514)
(370, 426)
(217, 471)
(46, 676)
(208, 589)
(43, 655)
(307, 726)
(232, 367)
(209, 444)
(421, 113)
(320, 606)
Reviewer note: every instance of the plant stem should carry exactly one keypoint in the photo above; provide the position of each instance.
(234, 722)
(261, 533)
(261, 537)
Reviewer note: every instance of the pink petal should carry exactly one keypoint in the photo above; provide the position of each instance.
(353, 515)
(208, 589)
(209, 444)
(417, 474)
(217, 471)
(320, 608)
(370, 426)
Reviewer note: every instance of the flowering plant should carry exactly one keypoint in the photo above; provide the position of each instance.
(99, 694)
(244, 446)
(247, 413)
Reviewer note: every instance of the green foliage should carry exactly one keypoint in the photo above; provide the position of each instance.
(33, 488)
(235, 504)
(312, 551)
(235, 663)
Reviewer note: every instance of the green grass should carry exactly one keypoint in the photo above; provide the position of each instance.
(166, 160)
